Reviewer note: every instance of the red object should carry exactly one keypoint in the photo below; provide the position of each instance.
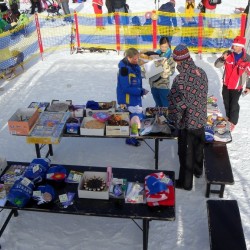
(207, 5)
(77, 30)
(243, 24)
(239, 41)
(154, 30)
(40, 43)
(117, 31)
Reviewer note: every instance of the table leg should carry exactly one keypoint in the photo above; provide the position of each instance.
(38, 153)
(156, 153)
(145, 233)
(50, 150)
(13, 211)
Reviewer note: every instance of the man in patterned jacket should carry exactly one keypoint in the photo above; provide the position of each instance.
(188, 110)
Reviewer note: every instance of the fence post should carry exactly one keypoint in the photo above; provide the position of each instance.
(154, 29)
(200, 27)
(77, 31)
(117, 32)
(243, 24)
(39, 37)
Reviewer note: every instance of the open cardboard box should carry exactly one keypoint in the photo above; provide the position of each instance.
(103, 195)
(91, 131)
(119, 130)
(112, 104)
(22, 121)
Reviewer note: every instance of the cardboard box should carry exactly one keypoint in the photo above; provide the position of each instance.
(77, 110)
(22, 121)
(90, 112)
(152, 68)
(90, 131)
(119, 130)
(103, 195)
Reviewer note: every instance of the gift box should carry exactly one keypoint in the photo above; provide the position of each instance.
(152, 68)
(22, 121)
(91, 126)
(109, 107)
(93, 186)
(73, 125)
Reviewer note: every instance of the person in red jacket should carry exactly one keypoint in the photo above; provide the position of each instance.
(235, 78)
(207, 7)
(97, 5)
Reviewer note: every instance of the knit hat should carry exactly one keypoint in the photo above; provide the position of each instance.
(239, 41)
(181, 53)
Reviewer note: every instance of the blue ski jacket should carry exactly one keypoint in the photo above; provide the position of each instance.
(129, 84)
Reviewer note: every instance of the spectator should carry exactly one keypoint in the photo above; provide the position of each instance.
(14, 7)
(65, 7)
(236, 63)
(129, 86)
(97, 5)
(35, 4)
(188, 111)
(122, 7)
(169, 22)
(108, 4)
(160, 83)
(207, 7)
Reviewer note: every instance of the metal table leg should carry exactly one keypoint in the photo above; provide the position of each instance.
(12, 212)
(38, 153)
(145, 233)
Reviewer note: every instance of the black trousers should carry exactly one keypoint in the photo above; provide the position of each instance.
(191, 154)
(231, 102)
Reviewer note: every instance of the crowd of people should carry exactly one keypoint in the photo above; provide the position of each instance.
(186, 100)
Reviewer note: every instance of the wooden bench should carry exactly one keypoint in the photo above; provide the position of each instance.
(224, 224)
(218, 169)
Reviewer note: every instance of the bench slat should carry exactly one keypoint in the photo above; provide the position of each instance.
(225, 228)
(217, 164)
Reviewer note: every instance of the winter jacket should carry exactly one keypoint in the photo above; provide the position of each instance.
(235, 75)
(162, 80)
(129, 84)
(188, 97)
(118, 4)
(207, 5)
(166, 20)
(98, 2)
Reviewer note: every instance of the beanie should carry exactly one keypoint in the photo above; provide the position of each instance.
(181, 53)
(239, 41)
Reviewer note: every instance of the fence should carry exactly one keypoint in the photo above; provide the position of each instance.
(202, 33)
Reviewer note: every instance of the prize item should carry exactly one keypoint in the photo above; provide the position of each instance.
(41, 106)
(135, 124)
(135, 193)
(44, 194)
(65, 200)
(116, 120)
(94, 184)
(14, 173)
(37, 169)
(209, 133)
(101, 116)
(159, 190)
(56, 173)
(74, 177)
(21, 192)
(118, 188)
(94, 124)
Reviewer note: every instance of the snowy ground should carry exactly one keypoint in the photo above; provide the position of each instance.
(83, 77)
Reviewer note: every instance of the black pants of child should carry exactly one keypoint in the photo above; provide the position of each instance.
(231, 102)
(191, 154)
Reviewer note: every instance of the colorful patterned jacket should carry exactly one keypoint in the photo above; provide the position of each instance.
(188, 96)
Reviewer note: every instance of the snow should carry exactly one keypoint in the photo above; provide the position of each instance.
(83, 77)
